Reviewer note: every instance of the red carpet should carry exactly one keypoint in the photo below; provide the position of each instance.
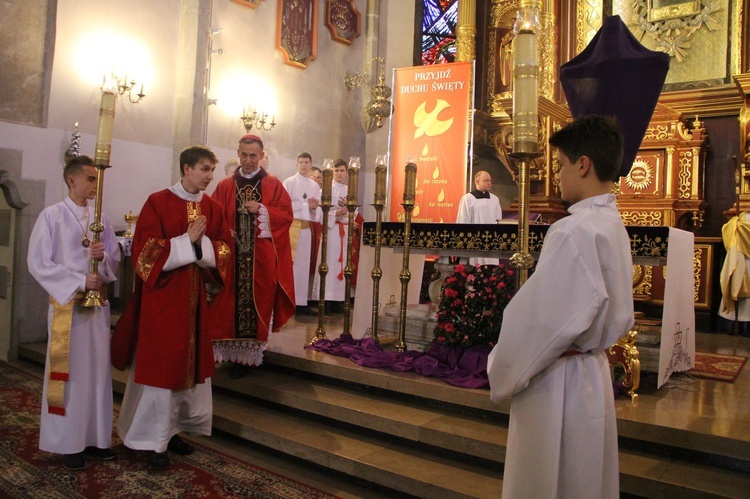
(25, 471)
(717, 366)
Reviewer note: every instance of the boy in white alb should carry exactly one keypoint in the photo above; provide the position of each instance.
(77, 395)
(305, 194)
(550, 355)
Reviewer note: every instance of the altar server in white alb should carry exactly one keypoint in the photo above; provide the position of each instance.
(305, 194)
(562, 438)
(76, 416)
(480, 206)
(338, 238)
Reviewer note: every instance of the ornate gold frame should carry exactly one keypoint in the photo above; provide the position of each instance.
(661, 10)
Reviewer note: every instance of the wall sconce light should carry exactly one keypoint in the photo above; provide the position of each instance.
(123, 87)
(379, 106)
(259, 120)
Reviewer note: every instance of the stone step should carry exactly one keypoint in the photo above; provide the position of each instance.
(471, 437)
(683, 433)
(434, 432)
(421, 437)
(370, 458)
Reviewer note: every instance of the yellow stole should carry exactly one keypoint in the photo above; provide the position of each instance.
(59, 354)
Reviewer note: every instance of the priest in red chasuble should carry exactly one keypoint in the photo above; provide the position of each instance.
(181, 244)
(261, 296)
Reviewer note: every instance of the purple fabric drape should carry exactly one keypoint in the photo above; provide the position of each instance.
(466, 368)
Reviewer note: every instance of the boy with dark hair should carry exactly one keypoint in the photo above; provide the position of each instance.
(76, 416)
(181, 243)
(550, 355)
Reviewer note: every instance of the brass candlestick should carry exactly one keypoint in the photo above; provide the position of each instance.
(93, 297)
(525, 124)
(405, 275)
(325, 206)
(377, 272)
(351, 206)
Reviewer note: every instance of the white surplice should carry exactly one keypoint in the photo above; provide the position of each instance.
(301, 189)
(336, 248)
(479, 211)
(150, 416)
(562, 439)
(60, 263)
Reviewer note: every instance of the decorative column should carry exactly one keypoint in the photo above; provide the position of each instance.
(547, 35)
(466, 31)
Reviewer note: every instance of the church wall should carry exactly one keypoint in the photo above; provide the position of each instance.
(314, 111)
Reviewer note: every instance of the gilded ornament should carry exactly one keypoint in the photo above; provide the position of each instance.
(672, 26)
(686, 162)
(641, 176)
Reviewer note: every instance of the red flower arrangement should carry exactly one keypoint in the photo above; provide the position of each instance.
(471, 306)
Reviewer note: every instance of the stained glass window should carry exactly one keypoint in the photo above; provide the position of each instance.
(439, 31)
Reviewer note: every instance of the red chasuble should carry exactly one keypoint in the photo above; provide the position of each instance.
(167, 322)
(272, 274)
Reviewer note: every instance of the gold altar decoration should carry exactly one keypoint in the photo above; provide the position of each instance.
(466, 31)
(93, 297)
(325, 206)
(381, 172)
(671, 25)
(405, 274)
(743, 197)
(665, 184)
(351, 206)
(130, 219)
(625, 353)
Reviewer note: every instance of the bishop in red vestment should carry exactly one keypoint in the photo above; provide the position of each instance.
(258, 210)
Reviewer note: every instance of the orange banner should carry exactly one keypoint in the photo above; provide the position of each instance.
(431, 123)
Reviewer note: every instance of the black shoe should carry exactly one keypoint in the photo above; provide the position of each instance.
(305, 311)
(100, 454)
(158, 460)
(335, 307)
(74, 462)
(237, 371)
(179, 446)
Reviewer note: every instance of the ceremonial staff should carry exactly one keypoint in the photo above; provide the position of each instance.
(93, 297)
